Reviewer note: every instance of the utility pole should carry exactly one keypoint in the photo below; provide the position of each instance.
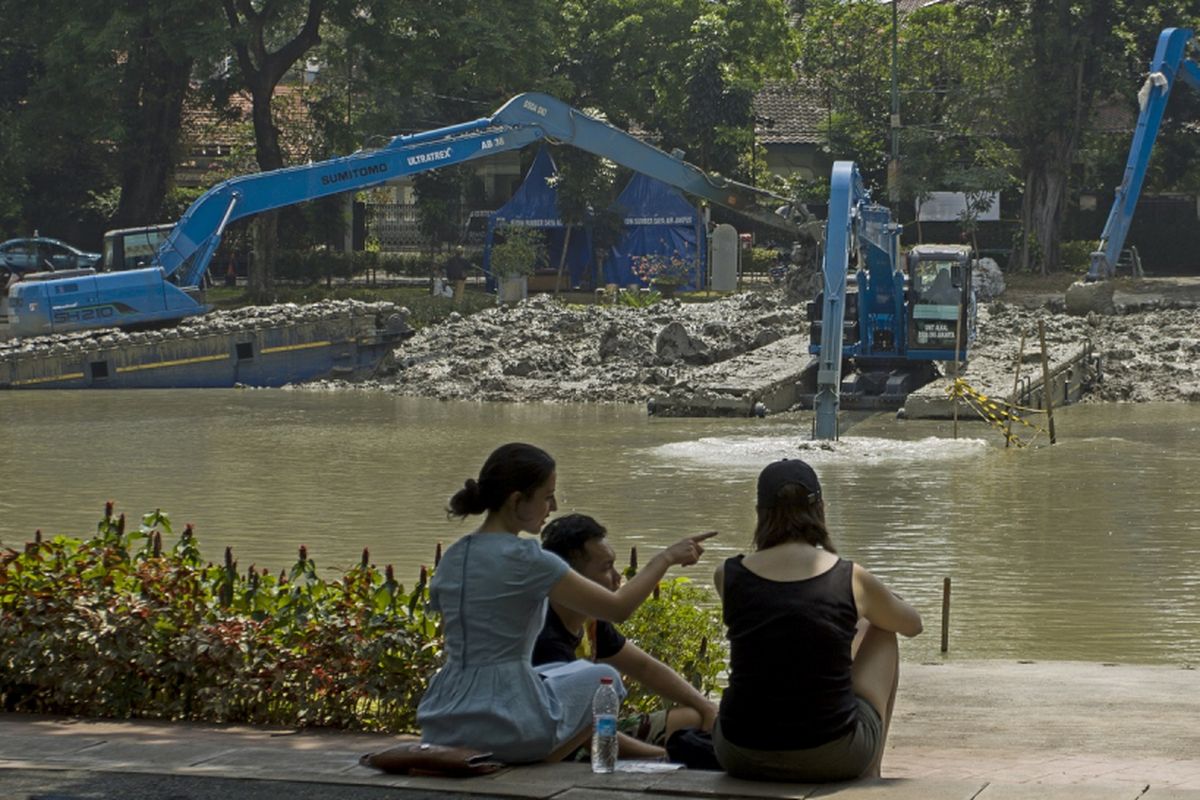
(894, 163)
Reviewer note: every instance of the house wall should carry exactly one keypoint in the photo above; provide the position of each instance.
(807, 160)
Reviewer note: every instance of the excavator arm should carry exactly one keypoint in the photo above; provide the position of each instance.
(524, 119)
(166, 290)
(1168, 65)
(191, 245)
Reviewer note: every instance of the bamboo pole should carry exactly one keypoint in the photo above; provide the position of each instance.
(1046, 381)
(945, 614)
(1016, 384)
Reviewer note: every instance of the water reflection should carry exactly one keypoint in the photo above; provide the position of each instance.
(1085, 550)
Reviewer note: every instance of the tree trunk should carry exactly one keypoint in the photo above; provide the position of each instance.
(1045, 198)
(267, 150)
(261, 276)
(262, 70)
(151, 98)
(562, 259)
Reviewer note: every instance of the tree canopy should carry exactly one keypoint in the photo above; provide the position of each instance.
(994, 94)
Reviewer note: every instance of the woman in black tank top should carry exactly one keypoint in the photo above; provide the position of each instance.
(814, 661)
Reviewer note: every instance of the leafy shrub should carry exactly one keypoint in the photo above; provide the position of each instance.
(759, 260)
(639, 299)
(1076, 256)
(522, 250)
(680, 626)
(118, 626)
(661, 270)
(313, 266)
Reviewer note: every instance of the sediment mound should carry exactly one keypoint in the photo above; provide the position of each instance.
(542, 350)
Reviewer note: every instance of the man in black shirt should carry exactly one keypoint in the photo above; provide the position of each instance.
(579, 540)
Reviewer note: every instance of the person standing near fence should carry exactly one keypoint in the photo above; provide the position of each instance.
(457, 268)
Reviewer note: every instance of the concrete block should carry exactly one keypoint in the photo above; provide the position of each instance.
(703, 783)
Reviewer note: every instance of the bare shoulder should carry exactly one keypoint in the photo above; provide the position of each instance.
(881, 606)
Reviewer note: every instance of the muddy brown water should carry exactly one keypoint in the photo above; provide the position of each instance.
(1085, 550)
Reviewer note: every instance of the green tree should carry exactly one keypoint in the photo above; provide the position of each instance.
(1064, 39)
(584, 183)
(843, 50)
(59, 119)
(266, 47)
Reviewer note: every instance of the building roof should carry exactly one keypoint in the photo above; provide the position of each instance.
(1115, 115)
(210, 138)
(790, 112)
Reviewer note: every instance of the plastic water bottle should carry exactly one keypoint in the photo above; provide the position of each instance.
(605, 706)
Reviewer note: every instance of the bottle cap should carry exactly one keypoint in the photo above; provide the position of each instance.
(606, 680)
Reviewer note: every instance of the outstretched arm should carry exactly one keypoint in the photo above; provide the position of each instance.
(580, 594)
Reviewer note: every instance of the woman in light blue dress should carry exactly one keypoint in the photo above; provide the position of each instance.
(491, 588)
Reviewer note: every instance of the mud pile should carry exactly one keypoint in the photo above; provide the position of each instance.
(1150, 352)
(541, 350)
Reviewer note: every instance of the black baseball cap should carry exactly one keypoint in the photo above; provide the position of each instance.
(784, 473)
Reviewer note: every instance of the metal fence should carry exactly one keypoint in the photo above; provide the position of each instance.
(395, 226)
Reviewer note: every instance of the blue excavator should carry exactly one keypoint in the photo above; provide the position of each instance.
(170, 288)
(881, 321)
(1168, 65)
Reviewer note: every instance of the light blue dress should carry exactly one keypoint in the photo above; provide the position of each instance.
(492, 590)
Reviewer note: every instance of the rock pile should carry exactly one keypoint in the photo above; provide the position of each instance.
(1149, 352)
(543, 350)
(214, 322)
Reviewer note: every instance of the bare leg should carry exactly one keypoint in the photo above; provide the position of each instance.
(682, 717)
(629, 747)
(876, 674)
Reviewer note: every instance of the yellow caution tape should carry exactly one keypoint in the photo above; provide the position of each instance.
(1001, 414)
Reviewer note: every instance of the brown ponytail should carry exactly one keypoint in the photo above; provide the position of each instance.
(510, 468)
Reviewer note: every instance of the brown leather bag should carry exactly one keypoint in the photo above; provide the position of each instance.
(418, 758)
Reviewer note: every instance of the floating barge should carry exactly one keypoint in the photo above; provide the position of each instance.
(345, 346)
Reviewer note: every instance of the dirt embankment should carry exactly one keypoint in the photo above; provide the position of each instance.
(542, 350)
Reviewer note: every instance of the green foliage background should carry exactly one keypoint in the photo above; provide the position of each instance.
(681, 626)
(124, 624)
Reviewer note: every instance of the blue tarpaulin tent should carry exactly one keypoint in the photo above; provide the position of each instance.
(535, 205)
(658, 221)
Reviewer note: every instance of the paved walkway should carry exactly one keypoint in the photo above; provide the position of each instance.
(963, 731)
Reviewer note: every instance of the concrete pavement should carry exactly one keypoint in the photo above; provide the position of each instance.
(962, 731)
